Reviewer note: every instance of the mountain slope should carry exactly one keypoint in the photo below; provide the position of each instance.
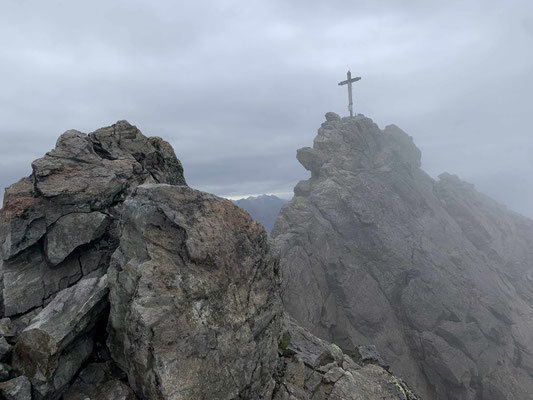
(437, 275)
(119, 282)
(264, 209)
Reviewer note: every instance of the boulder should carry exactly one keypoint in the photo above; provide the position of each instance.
(194, 298)
(51, 350)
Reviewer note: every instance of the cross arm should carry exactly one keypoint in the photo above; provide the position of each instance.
(349, 81)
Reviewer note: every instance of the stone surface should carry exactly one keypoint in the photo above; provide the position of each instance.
(194, 298)
(438, 276)
(6, 328)
(5, 372)
(58, 340)
(110, 390)
(60, 224)
(304, 374)
(16, 389)
(70, 232)
(369, 355)
(5, 349)
(99, 381)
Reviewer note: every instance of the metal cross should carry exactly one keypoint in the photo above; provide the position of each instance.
(349, 80)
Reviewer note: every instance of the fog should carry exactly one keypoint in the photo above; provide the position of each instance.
(237, 87)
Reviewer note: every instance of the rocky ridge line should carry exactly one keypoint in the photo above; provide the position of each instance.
(120, 282)
(435, 274)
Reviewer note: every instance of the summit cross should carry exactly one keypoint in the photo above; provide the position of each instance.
(349, 80)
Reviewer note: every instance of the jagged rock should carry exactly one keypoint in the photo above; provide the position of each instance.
(61, 224)
(195, 306)
(5, 349)
(311, 160)
(438, 276)
(16, 389)
(331, 116)
(55, 345)
(110, 390)
(369, 355)
(194, 298)
(6, 328)
(99, 381)
(65, 235)
(5, 372)
(305, 377)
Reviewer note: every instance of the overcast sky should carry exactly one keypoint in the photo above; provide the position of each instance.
(237, 86)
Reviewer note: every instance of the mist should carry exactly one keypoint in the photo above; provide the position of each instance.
(237, 87)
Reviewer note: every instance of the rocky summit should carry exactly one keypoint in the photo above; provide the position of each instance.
(435, 274)
(61, 224)
(120, 282)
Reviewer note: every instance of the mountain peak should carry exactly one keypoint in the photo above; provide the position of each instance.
(432, 272)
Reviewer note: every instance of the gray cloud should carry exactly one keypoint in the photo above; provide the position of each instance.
(237, 87)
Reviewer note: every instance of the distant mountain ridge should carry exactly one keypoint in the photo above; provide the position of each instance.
(264, 208)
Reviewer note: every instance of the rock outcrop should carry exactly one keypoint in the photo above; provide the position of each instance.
(195, 307)
(314, 369)
(438, 276)
(60, 224)
(16, 389)
(121, 282)
(100, 381)
(51, 350)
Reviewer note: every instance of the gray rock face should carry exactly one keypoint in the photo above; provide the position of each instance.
(5, 372)
(369, 355)
(60, 224)
(194, 298)
(438, 276)
(99, 381)
(16, 389)
(93, 226)
(5, 349)
(51, 350)
(314, 369)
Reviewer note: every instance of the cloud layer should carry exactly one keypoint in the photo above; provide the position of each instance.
(237, 87)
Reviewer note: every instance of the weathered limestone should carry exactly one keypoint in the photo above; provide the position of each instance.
(194, 298)
(435, 274)
(54, 346)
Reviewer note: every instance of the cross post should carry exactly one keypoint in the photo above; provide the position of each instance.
(349, 80)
